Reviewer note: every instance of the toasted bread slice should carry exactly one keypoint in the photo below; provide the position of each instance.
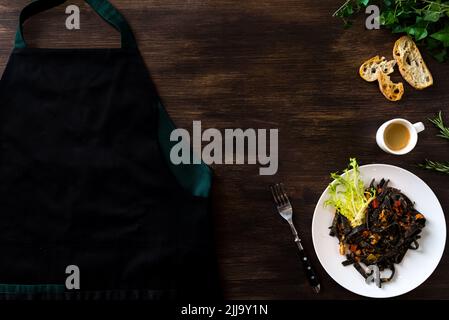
(392, 91)
(411, 64)
(369, 70)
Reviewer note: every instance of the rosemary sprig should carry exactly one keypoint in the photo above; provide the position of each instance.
(439, 123)
(436, 166)
(337, 13)
(442, 167)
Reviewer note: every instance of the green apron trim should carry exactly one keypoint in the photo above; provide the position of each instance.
(102, 7)
(26, 289)
(196, 178)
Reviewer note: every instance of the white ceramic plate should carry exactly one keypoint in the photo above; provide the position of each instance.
(416, 266)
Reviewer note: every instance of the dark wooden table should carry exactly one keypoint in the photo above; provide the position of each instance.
(283, 64)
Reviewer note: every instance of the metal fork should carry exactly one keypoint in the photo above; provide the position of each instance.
(285, 209)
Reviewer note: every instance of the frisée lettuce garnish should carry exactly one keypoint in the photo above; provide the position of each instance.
(349, 196)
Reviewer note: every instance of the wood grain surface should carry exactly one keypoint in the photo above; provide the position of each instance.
(283, 64)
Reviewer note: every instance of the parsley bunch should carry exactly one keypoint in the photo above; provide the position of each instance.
(427, 22)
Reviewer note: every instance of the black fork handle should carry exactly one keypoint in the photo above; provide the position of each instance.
(308, 268)
(307, 265)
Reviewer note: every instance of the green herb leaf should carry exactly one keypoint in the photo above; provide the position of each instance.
(364, 2)
(432, 16)
(398, 29)
(441, 55)
(443, 36)
(439, 123)
(435, 49)
(442, 167)
(418, 33)
(423, 20)
(444, 133)
(388, 18)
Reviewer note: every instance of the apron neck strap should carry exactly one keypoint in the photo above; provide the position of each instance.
(102, 7)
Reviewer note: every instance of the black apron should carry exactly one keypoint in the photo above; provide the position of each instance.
(86, 178)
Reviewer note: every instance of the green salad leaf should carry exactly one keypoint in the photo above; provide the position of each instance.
(348, 194)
